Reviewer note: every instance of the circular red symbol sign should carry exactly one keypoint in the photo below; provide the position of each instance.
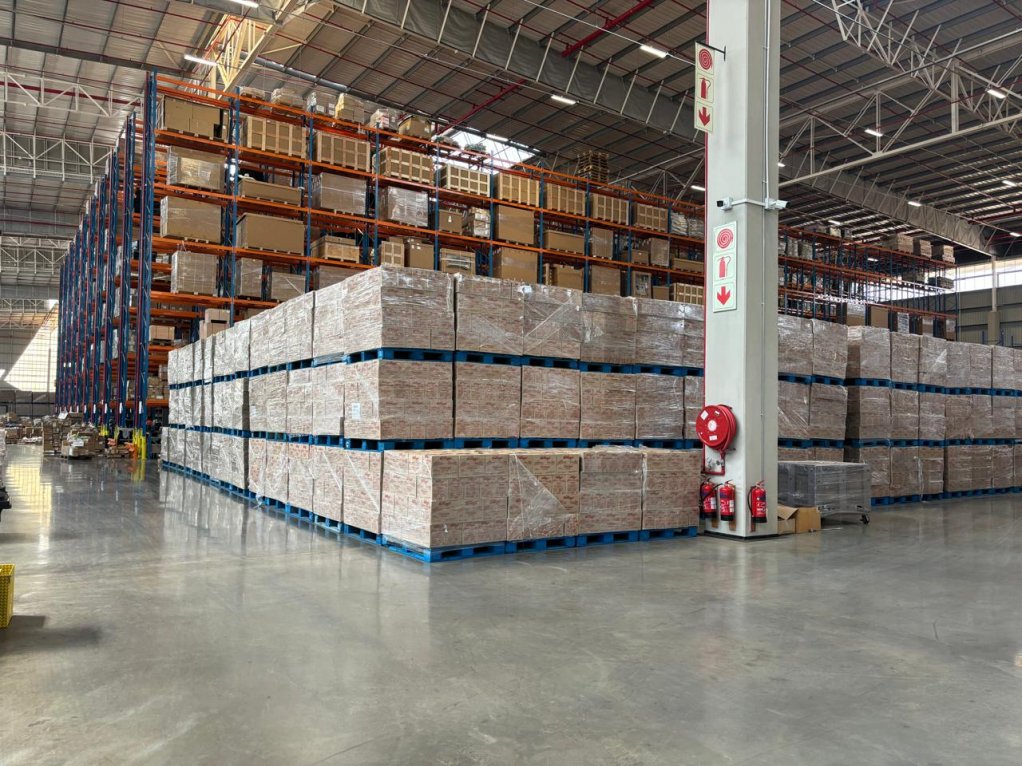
(724, 238)
(705, 60)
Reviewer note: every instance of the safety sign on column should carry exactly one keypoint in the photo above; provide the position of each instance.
(702, 110)
(724, 263)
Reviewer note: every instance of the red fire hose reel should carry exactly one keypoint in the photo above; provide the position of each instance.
(716, 427)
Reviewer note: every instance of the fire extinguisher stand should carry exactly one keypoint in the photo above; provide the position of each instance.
(741, 258)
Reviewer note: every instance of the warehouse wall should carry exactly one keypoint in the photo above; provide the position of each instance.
(972, 308)
(27, 371)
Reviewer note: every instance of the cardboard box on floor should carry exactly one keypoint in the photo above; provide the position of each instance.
(796, 520)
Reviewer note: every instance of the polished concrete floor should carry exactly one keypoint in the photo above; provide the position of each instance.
(161, 622)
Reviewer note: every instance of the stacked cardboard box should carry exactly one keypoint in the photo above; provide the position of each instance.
(551, 404)
(487, 400)
(362, 488)
(490, 315)
(563, 276)
(670, 488)
(327, 393)
(189, 219)
(475, 222)
(552, 322)
(200, 170)
(515, 225)
(188, 117)
(608, 329)
(328, 482)
(869, 412)
(285, 285)
(610, 490)
(792, 410)
(517, 188)
(268, 402)
(869, 353)
(794, 345)
(931, 470)
(651, 217)
(396, 399)
(342, 150)
(336, 248)
(607, 406)
(606, 208)
(660, 407)
(300, 398)
(408, 165)
(565, 199)
(601, 243)
(288, 195)
(248, 278)
(193, 273)
(879, 461)
(695, 400)
(515, 265)
(300, 475)
(604, 280)
(904, 415)
(461, 262)
(905, 356)
(465, 180)
(339, 193)
(543, 493)
(564, 241)
(933, 361)
(906, 478)
(967, 467)
(1002, 466)
(828, 407)
(265, 232)
(404, 206)
(271, 135)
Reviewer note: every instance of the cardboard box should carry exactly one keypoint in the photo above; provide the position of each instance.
(650, 217)
(601, 243)
(609, 208)
(189, 219)
(265, 232)
(607, 406)
(326, 390)
(517, 265)
(608, 329)
(449, 219)
(517, 188)
(553, 324)
(670, 488)
(249, 187)
(415, 126)
(342, 150)
(336, 248)
(558, 275)
(475, 222)
(659, 252)
(217, 315)
(248, 276)
(325, 276)
(515, 225)
(566, 199)
(490, 315)
(659, 406)
(660, 331)
(285, 285)
(200, 170)
(419, 255)
(392, 253)
(271, 135)
(193, 273)
(792, 520)
(461, 262)
(487, 400)
(879, 317)
(328, 484)
(339, 193)
(465, 180)
(189, 117)
(396, 399)
(404, 206)
(362, 489)
(559, 240)
(610, 489)
(828, 407)
(543, 494)
(604, 280)
(410, 166)
(551, 407)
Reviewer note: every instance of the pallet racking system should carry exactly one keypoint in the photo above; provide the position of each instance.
(113, 282)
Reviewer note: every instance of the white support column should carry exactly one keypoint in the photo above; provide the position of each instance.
(741, 341)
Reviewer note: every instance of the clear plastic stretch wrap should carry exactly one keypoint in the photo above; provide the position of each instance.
(267, 396)
(190, 220)
(869, 353)
(300, 397)
(1018, 416)
(958, 416)
(835, 486)
(298, 316)
(608, 406)
(193, 406)
(207, 405)
(958, 361)
(608, 329)
(695, 399)
(794, 345)
(327, 392)
(285, 285)
(828, 410)
(932, 423)
(981, 416)
(792, 410)
(830, 349)
(795, 453)
(670, 488)
(879, 461)
(328, 482)
(223, 353)
(192, 273)
(826, 454)
(399, 308)
(904, 357)
(695, 334)
(205, 447)
(543, 494)
(174, 366)
(393, 399)
(660, 332)
(275, 472)
(660, 407)
(300, 475)
(179, 403)
(980, 365)
(268, 329)
(257, 467)
(1017, 463)
(1002, 466)
(551, 406)
(932, 361)
(906, 478)
(904, 416)
(931, 470)
(197, 349)
(328, 321)
(230, 404)
(967, 467)
(202, 170)
(490, 315)
(1002, 368)
(610, 489)
(487, 400)
(175, 441)
(362, 478)
(869, 412)
(552, 322)
(242, 346)
(1002, 417)
(193, 450)
(1017, 381)
(248, 278)
(339, 193)
(437, 498)
(208, 353)
(404, 206)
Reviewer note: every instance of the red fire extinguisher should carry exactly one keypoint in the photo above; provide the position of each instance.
(707, 500)
(726, 501)
(758, 504)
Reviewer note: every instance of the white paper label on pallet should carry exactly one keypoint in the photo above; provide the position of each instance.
(356, 410)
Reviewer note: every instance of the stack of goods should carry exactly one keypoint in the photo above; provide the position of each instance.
(193, 273)
(593, 165)
(81, 441)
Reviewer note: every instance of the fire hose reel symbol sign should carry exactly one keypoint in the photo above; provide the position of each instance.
(725, 238)
(705, 60)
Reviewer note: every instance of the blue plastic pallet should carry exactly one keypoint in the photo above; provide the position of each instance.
(606, 367)
(868, 382)
(480, 357)
(380, 445)
(363, 534)
(829, 443)
(606, 538)
(858, 443)
(554, 362)
(1003, 392)
(661, 369)
(902, 386)
(931, 443)
(547, 443)
(606, 442)
(795, 443)
(667, 534)
(328, 359)
(328, 440)
(788, 377)
(542, 544)
(828, 380)
(667, 443)
(926, 388)
(494, 443)
(401, 354)
(969, 391)
(453, 553)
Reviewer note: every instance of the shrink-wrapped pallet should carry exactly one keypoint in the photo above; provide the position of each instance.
(398, 308)
(328, 482)
(269, 330)
(404, 206)
(695, 396)
(193, 273)
(610, 489)
(327, 394)
(552, 325)
(608, 329)
(869, 353)
(257, 467)
(231, 405)
(298, 319)
(794, 345)
(276, 470)
(248, 278)
(328, 322)
(932, 423)
(341, 194)
(980, 365)
(543, 494)
(190, 220)
(958, 361)
(487, 400)
(268, 402)
(490, 315)
(1002, 468)
(826, 454)
(440, 498)
(396, 399)
(1017, 462)
(794, 453)
(551, 406)
(200, 170)
(660, 407)
(362, 482)
(193, 450)
(300, 397)
(904, 357)
(879, 461)
(980, 416)
(932, 361)
(830, 349)
(792, 410)
(1002, 368)
(828, 407)
(1002, 417)
(967, 467)
(660, 332)
(300, 476)
(931, 470)
(904, 415)
(177, 414)
(670, 488)
(869, 412)
(608, 406)
(906, 478)
(695, 334)
(207, 405)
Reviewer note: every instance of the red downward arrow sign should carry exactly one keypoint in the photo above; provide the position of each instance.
(704, 116)
(704, 86)
(723, 295)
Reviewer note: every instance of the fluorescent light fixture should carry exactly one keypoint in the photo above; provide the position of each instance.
(872, 260)
(874, 132)
(780, 164)
(913, 203)
(653, 51)
(1015, 234)
(199, 60)
(495, 137)
(247, 3)
(996, 93)
(1008, 182)
(562, 99)
(697, 187)
(832, 222)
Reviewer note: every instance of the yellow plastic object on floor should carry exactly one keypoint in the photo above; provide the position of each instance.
(6, 594)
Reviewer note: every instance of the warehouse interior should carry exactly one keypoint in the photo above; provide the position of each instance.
(523, 381)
